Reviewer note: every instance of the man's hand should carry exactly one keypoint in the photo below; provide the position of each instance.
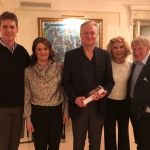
(79, 102)
(97, 95)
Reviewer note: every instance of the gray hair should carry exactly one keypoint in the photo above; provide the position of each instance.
(141, 40)
(88, 23)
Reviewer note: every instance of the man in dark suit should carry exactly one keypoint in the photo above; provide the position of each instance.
(139, 92)
(84, 69)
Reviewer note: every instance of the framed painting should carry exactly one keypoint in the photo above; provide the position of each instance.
(64, 34)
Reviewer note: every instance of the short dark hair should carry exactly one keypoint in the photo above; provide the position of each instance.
(8, 15)
(47, 43)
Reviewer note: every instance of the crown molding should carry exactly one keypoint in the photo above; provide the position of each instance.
(139, 7)
(139, 12)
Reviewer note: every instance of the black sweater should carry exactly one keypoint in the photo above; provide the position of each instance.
(12, 67)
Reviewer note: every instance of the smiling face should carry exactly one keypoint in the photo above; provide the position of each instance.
(42, 52)
(118, 51)
(88, 35)
(8, 30)
(139, 51)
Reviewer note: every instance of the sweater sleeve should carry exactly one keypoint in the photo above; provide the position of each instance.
(27, 97)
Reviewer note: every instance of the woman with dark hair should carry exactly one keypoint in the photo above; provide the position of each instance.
(45, 102)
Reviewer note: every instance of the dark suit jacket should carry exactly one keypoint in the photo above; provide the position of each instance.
(72, 80)
(141, 95)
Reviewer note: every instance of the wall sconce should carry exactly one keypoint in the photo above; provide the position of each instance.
(71, 16)
(1, 3)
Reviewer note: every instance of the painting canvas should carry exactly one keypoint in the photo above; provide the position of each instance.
(64, 34)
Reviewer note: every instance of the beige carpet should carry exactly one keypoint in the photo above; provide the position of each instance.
(68, 144)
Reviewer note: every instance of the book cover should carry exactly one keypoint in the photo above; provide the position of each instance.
(89, 95)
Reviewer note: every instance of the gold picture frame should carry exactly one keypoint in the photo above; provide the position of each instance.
(64, 33)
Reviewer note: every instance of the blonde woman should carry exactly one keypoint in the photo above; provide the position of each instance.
(117, 105)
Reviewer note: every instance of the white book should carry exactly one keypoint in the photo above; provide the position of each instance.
(89, 95)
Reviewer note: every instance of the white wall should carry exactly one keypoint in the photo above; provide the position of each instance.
(114, 13)
(28, 29)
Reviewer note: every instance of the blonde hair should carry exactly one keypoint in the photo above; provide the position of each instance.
(141, 40)
(88, 23)
(116, 40)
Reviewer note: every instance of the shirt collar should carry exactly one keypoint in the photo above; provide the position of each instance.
(14, 47)
(84, 52)
(143, 61)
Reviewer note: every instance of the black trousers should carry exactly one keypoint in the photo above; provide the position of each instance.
(117, 111)
(89, 121)
(141, 130)
(10, 127)
(47, 123)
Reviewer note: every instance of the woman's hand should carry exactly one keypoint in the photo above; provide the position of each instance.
(66, 118)
(29, 127)
(60, 65)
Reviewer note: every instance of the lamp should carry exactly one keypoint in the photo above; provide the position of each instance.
(1, 3)
(71, 16)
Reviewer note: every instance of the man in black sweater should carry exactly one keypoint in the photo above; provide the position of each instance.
(13, 60)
